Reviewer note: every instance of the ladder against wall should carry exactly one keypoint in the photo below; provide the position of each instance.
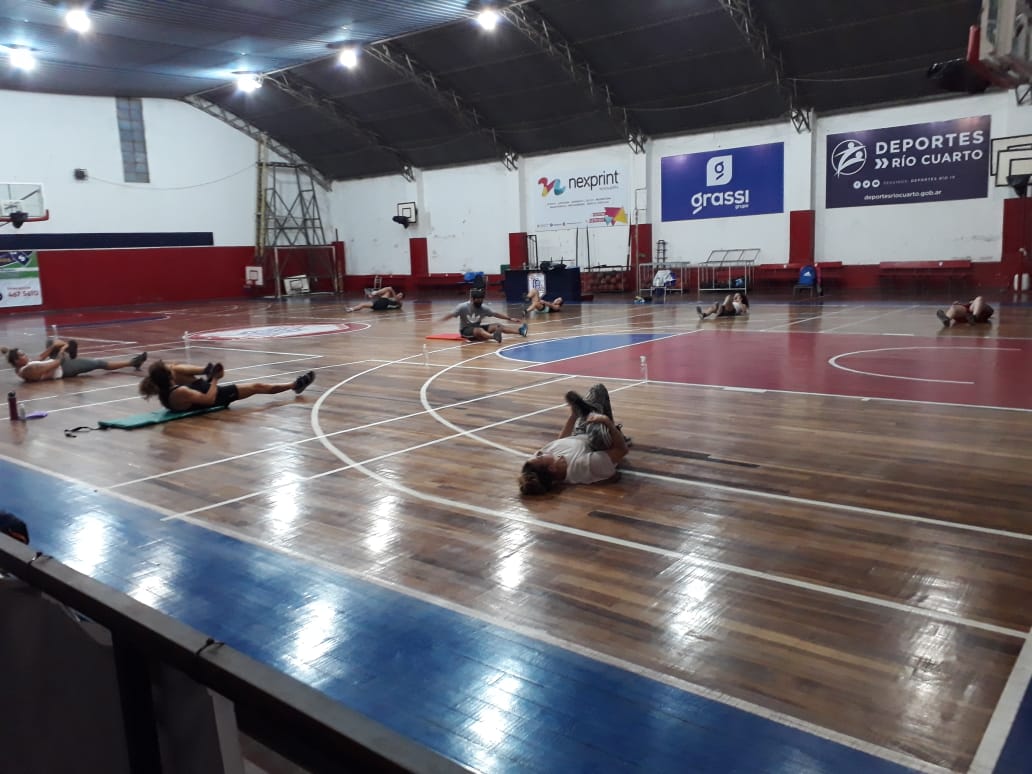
(290, 241)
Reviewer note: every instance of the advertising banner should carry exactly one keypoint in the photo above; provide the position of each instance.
(723, 184)
(19, 279)
(934, 162)
(581, 197)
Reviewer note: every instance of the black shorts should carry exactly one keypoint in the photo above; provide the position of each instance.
(224, 395)
(470, 331)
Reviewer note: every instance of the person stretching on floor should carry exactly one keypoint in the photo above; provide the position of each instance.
(974, 311)
(535, 303)
(60, 360)
(382, 300)
(471, 316)
(733, 306)
(588, 448)
(182, 387)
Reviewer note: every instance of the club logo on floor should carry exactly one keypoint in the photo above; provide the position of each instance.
(277, 331)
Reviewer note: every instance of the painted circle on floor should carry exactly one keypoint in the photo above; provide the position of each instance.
(276, 331)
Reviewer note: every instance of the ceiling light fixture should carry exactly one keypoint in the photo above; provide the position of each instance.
(21, 57)
(248, 82)
(488, 19)
(78, 20)
(348, 57)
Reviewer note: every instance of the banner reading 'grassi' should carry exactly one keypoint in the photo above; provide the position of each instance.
(934, 162)
(580, 197)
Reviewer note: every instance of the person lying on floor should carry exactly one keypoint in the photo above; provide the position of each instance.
(588, 449)
(182, 387)
(60, 360)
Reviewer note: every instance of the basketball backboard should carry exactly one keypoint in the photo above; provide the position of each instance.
(1010, 156)
(22, 203)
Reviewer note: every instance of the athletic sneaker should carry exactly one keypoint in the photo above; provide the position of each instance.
(942, 316)
(136, 362)
(497, 336)
(579, 405)
(302, 382)
(73, 349)
(206, 373)
(523, 330)
(702, 315)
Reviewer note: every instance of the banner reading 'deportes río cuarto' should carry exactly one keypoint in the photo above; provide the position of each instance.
(580, 197)
(726, 183)
(19, 279)
(933, 162)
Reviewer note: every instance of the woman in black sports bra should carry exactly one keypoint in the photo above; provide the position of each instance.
(182, 387)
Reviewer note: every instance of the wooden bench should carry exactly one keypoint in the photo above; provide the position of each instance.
(920, 273)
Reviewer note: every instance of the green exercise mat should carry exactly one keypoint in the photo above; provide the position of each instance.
(153, 418)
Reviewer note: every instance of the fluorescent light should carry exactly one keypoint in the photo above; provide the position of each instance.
(488, 19)
(348, 57)
(21, 58)
(78, 20)
(248, 82)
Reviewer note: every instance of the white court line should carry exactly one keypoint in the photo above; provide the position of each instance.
(835, 364)
(540, 635)
(1002, 721)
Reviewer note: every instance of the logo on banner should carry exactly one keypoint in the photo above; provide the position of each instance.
(554, 186)
(719, 170)
(848, 158)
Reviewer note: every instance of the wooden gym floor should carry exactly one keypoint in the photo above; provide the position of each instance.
(819, 556)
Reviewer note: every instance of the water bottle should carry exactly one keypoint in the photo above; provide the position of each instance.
(644, 369)
(12, 406)
(426, 356)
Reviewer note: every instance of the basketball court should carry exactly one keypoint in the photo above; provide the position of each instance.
(802, 558)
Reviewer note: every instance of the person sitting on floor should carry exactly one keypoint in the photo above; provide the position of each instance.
(974, 311)
(588, 448)
(536, 303)
(60, 360)
(471, 316)
(732, 306)
(382, 300)
(182, 387)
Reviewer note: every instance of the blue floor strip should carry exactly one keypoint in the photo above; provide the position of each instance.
(481, 694)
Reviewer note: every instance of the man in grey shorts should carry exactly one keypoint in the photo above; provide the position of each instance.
(471, 316)
(60, 360)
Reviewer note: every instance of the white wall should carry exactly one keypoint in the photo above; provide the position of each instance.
(203, 179)
(969, 229)
(202, 171)
(362, 212)
(469, 212)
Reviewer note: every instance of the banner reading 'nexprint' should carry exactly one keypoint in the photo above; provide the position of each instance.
(580, 197)
(19, 279)
(724, 184)
(935, 162)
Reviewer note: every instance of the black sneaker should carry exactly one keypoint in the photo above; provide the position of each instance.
(302, 382)
(136, 362)
(579, 405)
(702, 315)
(943, 318)
(73, 349)
(208, 369)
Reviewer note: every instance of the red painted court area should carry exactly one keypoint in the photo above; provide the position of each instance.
(975, 372)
